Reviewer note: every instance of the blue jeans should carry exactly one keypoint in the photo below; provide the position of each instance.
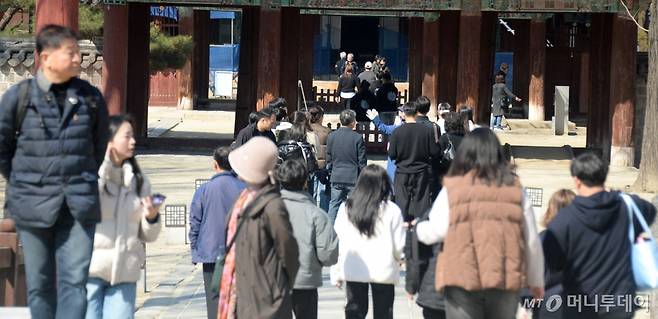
(57, 266)
(339, 193)
(496, 121)
(106, 301)
(320, 194)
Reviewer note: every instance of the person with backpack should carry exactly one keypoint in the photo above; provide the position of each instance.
(317, 241)
(450, 141)
(53, 138)
(588, 241)
(130, 218)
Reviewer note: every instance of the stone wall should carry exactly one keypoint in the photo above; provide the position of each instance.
(17, 62)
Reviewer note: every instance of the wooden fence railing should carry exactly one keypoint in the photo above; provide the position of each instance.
(376, 142)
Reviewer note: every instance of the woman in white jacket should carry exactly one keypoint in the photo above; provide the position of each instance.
(370, 242)
(129, 218)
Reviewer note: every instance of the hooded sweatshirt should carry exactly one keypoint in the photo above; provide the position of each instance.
(588, 241)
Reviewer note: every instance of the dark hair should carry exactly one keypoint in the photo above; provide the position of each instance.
(500, 78)
(266, 112)
(480, 153)
(292, 175)
(347, 117)
(221, 157)
(423, 104)
(372, 188)
(410, 109)
(453, 123)
(115, 123)
(316, 113)
(386, 76)
(281, 113)
(51, 36)
(253, 117)
(300, 126)
(466, 114)
(278, 103)
(590, 169)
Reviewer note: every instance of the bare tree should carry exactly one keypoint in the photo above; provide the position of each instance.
(648, 178)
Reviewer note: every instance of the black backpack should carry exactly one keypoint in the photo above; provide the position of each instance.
(298, 150)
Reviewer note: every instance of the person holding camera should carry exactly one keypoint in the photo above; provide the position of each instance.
(130, 218)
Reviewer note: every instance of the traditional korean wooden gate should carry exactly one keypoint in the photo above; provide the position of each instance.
(164, 88)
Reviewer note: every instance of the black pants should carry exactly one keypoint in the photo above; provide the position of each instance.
(305, 303)
(212, 300)
(383, 296)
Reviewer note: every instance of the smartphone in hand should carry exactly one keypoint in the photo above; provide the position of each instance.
(158, 199)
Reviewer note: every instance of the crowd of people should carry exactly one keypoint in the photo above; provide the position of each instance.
(290, 197)
(373, 88)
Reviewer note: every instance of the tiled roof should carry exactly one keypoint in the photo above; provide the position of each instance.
(17, 51)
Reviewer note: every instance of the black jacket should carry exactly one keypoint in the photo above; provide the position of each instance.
(55, 158)
(411, 147)
(588, 242)
(387, 98)
(250, 131)
(346, 155)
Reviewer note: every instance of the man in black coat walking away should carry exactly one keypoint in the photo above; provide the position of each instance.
(346, 158)
(589, 242)
(412, 146)
(53, 138)
(265, 121)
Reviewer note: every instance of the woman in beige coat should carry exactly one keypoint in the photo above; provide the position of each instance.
(129, 218)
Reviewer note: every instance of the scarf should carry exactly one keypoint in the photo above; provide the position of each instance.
(227, 292)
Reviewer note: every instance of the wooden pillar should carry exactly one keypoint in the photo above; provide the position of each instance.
(521, 70)
(598, 115)
(246, 99)
(185, 88)
(430, 65)
(469, 68)
(537, 69)
(115, 57)
(415, 57)
(310, 25)
(201, 56)
(448, 58)
(61, 12)
(290, 38)
(487, 58)
(583, 96)
(622, 89)
(138, 72)
(269, 56)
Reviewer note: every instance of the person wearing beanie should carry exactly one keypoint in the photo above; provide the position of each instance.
(264, 250)
(367, 75)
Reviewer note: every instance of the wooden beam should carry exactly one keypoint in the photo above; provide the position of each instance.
(415, 57)
(200, 56)
(246, 100)
(622, 89)
(138, 71)
(448, 56)
(115, 57)
(537, 70)
(430, 64)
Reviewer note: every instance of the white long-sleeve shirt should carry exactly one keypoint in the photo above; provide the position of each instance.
(435, 230)
(375, 259)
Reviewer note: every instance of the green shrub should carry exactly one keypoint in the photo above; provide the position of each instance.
(168, 52)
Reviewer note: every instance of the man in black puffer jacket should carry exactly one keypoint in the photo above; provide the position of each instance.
(589, 242)
(53, 136)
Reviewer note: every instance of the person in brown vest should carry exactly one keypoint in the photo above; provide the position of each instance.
(491, 249)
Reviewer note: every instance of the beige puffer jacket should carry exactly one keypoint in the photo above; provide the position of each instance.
(118, 250)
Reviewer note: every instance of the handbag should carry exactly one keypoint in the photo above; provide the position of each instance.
(448, 153)
(216, 281)
(644, 252)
